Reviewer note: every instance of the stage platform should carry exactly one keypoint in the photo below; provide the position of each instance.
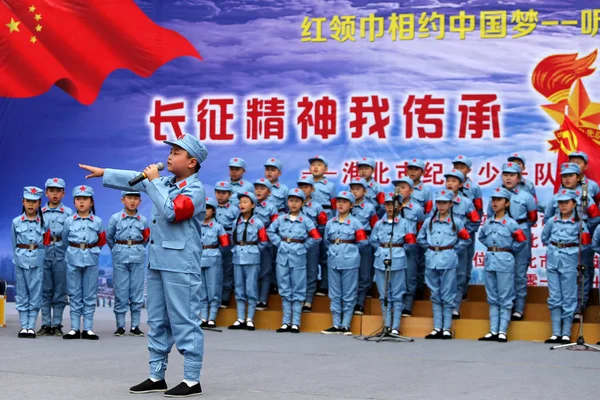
(265, 365)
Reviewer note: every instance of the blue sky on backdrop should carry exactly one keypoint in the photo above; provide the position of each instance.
(254, 47)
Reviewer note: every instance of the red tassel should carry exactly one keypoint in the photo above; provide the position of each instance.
(47, 238)
(224, 240)
(333, 203)
(262, 235)
(314, 233)
(410, 238)
(373, 220)
(519, 236)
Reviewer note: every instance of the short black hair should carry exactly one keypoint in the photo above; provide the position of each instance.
(197, 162)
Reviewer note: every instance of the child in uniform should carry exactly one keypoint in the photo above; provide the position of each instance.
(395, 233)
(226, 215)
(344, 236)
(561, 236)
(524, 184)
(29, 236)
(237, 168)
(292, 234)
(444, 236)
(502, 236)
(367, 216)
(314, 211)
(214, 238)
(54, 284)
(279, 191)
(85, 235)
(249, 241)
(127, 236)
(375, 195)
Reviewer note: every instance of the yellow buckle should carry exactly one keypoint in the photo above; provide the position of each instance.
(129, 242)
(31, 247)
(288, 240)
(337, 241)
(82, 246)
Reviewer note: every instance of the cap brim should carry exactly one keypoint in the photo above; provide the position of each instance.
(55, 186)
(31, 197)
(184, 146)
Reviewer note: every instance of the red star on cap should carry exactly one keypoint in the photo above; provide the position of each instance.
(364, 158)
(262, 179)
(272, 160)
(564, 192)
(460, 157)
(235, 160)
(344, 193)
(516, 155)
(245, 192)
(497, 189)
(443, 192)
(82, 188)
(207, 199)
(55, 180)
(414, 160)
(296, 190)
(303, 177)
(221, 183)
(510, 164)
(33, 191)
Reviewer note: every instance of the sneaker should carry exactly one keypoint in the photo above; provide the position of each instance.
(260, 306)
(204, 324)
(406, 313)
(359, 310)
(321, 293)
(136, 332)
(57, 331)
(211, 324)
(237, 325)
(284, 328)
(502, 338)
(295, 329)
(183, 390)
(22, 334)
(395, 332)
(346, 331)
(45, 331)
(250, 325)
(455, 315)
(516, 316)
(489, 337)
(576, 317)
(119, 332)
(446, 335)
(149, 386)
(224, 304)
(435, 334)
(72, 334)
(553, 339)
(307, 307)
(566, 339)
(89, 335)
(332, 330)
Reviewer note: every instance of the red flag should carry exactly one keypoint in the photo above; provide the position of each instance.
(76, 44)
(585, 144)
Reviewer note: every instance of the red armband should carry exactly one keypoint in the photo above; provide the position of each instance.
(473, 216)
(464, 234)
(597, 198)
(274, 217)
(224, 240)
(419, 226)
(101, 239)
(532, 216)
(519, 236)
(373, 220)
(380, 198)
(314, 234)
(322, 218)
(183, 207)
(146, 234)
(410, 238)
(428, 206)
(262, 235)
(47, 238)
(586, 238)
(360, 235)
(593, 211)
(478, 203)
(333, 203)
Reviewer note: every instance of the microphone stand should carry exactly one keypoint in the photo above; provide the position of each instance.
(580, 342)
(385, 334)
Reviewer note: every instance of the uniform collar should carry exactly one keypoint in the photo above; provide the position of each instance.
(500, 221)
(456, 198)
(238, 183)
(24, 218)
(298, 218)
(77, 216)
(227, 205)
(59, 208)
(566, 221)
(446, 220)
(347, 221)
(185, 182)
(211, 223)
(387, 221)
(125, 215)
(241, 220)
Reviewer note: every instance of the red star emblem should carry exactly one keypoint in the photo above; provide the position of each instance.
(123, 215)
(252, 221)
(262, 179)
(222, 184)
(453, 170)
(303, 177)
(577, 192)
(55, 180)
(516, 155)
(235, 160)
(564, 192)
(414, 160)
(443, 192)
(296, 190)
(245, 192)
(33, 191)
(497, 189)
(344, 193)
(82, 188)
(503, 222)
(316, 156)
(364, 158)
(510, 164)
(460, 157)
(206, 199)
(181, 137)
(272, 160)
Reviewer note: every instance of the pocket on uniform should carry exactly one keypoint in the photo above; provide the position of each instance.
(173, 244)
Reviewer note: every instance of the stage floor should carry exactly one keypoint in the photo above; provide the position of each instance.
(266, 365)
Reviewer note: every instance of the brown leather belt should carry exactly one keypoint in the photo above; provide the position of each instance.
(55, 239)
(387, 245)
(27, 246)
(210, 246)
(522, 221)
(326, 207)
(440, 248)
(563, 245)
(290, 240)
(129, 242)
(499, 249)
(341, 241)
(83, 246)
(247, 243)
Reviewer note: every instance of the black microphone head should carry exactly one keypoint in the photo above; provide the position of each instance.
(160, 166)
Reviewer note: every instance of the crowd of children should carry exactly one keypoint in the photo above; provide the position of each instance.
(260, 236)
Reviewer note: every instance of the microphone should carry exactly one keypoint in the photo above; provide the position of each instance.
(584, 194)
(397, 197)
(142, 176)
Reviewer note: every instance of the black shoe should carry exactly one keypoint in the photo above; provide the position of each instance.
(136, 332)
(346, 331)
(489, 337)
(183, 390)
(565, 339)
(260, 306)
(576, 318)
(455, 315)
(149, 387)
(516, 316)
(464, 297)
(554, 340)
(237, 325)
(224, 304)
(420, 294)
(284, 328)
(332, 330)
(30, 334)
(406, 313)
(22, 334)
(204, 324)
(57, 331)
(446, 335)
(295, 329)
(435, 334)
(119, 332)
(89, 335)
(72, 334)
(306, 308)
(211, 324)
(45, 331)
(359, 310)
(321, 293)
(502, 338)
(250, 325)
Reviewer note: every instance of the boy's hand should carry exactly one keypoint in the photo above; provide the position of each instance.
(151, 172)
(95, 171)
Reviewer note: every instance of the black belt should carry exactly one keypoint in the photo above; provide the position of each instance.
(563, 245)
(499, 249)
(326, 207)
(440, 248)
